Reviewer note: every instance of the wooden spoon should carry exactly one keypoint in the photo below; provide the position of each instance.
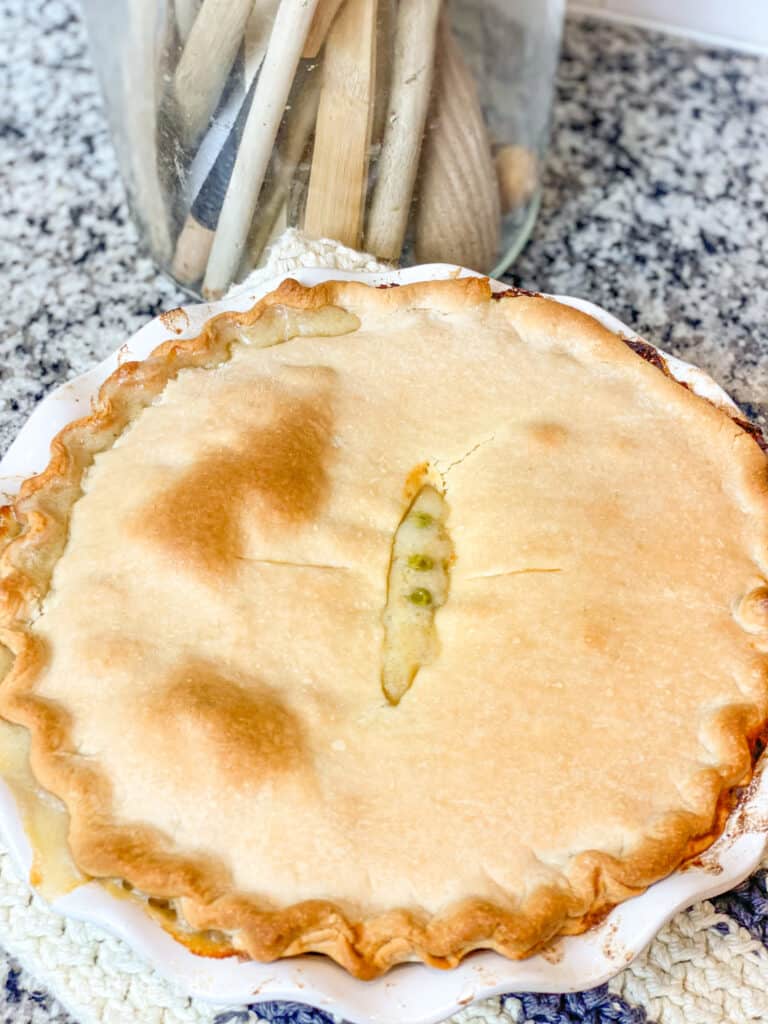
(273, 86)
(337, 183)
(321, 23)
(205, 63)
(414, 56)
(458, 217)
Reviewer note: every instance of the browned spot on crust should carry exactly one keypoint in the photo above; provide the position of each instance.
(753, 430)
(552, 435)
(202, 943)
(752, 613)
(511, 293)
(602, 630)
(241, 728)
(9, 526)
(208, 943)
(175, 320)
(276, 473)
(606, 510)
(648, 353)
(655, 358)
(597, 638)
(758, 744)
(745, 821)
(415, 481)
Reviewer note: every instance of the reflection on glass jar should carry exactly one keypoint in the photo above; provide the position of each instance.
(411, 129)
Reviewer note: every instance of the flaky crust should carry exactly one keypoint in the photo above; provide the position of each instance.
(36, 530)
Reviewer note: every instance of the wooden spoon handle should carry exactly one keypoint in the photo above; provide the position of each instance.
(459, 215)
(321, 23)
(206, 62)
(337, 184)
(414, 55)
(286, 43)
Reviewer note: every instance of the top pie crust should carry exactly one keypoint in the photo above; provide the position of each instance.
(193, 595)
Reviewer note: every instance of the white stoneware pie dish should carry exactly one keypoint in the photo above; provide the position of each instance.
(409, 992)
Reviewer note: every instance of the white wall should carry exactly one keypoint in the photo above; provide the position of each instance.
(740, 23)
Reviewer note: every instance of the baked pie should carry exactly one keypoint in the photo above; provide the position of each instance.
(391, 624)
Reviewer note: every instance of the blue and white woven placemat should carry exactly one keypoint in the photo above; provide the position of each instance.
(709, 965)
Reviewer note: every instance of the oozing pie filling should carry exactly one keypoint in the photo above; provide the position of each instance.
(417, 586)
(392, 624)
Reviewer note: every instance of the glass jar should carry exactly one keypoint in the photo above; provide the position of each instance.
(411, 129)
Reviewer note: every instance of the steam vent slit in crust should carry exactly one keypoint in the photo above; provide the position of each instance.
(295, 621)
(417, 585)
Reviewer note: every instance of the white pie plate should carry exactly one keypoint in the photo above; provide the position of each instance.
(411, 993)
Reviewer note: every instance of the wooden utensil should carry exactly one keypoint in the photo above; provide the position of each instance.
(193, 246)
(211, 169)
(206, 62)
(286, 43)
(321, 23)
(185, 12)
(458, 216)
(337, 183)
(414, 54)
(386, 11)
(291, 146)
(244, 71)
(517, 168)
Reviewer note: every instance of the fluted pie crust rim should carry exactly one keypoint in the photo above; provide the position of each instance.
(35, 529)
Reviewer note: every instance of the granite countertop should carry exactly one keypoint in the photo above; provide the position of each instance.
(654, 207)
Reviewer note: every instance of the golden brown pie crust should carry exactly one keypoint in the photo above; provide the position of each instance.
(36, 531)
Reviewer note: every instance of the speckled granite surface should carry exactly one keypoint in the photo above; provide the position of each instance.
(654, 207)
(655, 201)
